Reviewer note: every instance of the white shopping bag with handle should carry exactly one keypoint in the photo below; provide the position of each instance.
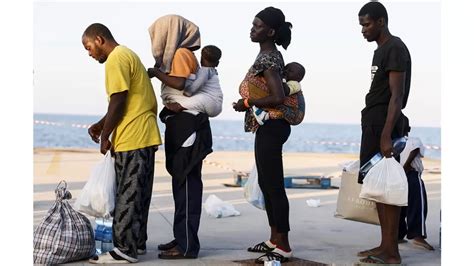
(97, 198)
(252, 192)
(386, 183)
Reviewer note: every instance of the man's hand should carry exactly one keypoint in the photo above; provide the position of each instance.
(94, 131)
(105, 145)
(386, 147)
(239, 106)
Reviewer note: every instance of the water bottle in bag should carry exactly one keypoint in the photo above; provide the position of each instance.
(398, 146)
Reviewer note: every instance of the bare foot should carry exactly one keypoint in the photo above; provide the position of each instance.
(369, 252)
(175, 107)
(421, 242)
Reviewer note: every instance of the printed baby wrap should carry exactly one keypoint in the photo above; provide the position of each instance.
(254, 87)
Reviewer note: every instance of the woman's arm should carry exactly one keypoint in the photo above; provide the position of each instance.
(173, 82)
(276, 94)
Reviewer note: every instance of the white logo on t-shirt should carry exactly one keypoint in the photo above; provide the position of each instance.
(373, 69)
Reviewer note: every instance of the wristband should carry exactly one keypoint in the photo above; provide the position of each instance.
(246, 103)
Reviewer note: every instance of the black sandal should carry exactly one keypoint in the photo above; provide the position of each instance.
(269, 256)
(260, 248)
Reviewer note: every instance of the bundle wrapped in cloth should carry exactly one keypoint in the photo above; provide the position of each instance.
(64, 234)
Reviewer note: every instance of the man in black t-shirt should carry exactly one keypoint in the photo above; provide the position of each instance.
(382, 118)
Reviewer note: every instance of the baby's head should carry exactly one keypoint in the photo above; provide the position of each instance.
(294, 71)
(210, 56)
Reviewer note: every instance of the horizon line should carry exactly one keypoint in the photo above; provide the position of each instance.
(230, 119)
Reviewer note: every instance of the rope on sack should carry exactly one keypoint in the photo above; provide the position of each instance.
(61, 191)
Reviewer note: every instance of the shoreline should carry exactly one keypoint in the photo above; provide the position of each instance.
(51, 165)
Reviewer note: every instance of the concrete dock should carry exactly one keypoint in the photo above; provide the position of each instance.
(316, 237)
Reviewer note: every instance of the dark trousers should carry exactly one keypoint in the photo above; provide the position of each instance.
(187, 197)
(269, 140)
(413, 217)
(370, 144)
(134, 174)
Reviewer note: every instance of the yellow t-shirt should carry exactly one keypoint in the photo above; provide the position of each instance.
(138, 128)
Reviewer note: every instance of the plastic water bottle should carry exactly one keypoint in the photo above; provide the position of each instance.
(398, 146)
(98, 235)
(272, 263)
(107, 238)
(439, 229)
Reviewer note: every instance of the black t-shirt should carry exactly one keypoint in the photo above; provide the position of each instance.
(393, 55)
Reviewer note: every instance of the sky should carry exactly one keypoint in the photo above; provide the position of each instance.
(326, 39)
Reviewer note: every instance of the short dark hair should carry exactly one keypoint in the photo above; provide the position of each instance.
(301, 70)
(374, 10)
(98, 29)
(211, 53)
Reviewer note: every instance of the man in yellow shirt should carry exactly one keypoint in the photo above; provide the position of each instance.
(131, 119)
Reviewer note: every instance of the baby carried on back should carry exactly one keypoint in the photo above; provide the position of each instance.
(293, 107)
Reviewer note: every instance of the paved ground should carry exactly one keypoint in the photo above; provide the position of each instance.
(316, 236)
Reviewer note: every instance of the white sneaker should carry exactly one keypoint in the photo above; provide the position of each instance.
(106, 258)
(276, 254)
(141, 251)
(260, 115)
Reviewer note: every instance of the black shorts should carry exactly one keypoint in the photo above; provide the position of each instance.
(370, 143)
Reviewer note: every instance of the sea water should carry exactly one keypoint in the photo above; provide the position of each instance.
(70, 131)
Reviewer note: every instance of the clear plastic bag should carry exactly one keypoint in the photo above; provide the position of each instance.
(386, 183)
(97, 198)
(217, 208)
(252, 192)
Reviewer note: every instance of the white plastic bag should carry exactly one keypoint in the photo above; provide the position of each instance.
(386, 183)
(217, 208)
(252, 192)
(97, 198)
(313, 203)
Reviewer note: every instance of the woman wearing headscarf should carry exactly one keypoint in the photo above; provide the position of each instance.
(188, 134)
(269, 30)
